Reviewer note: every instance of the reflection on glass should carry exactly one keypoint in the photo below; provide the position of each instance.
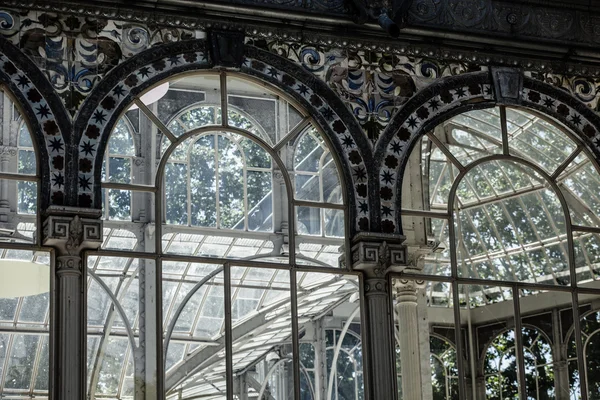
(222, 181)
(24, 361)
(338, 337)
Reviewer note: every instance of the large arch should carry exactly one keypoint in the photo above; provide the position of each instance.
(108, 100)
(46, 115)
(452, 96)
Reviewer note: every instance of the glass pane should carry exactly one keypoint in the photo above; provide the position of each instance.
(194, 312)
(537, 337)
(260, 294)
(231, 185)
(202, 182)
(119, 170)
(26, 162)
(309, 220)
(119, 204)
(254, 108)
(24, 317)
(338, 335)
(25, 136)
(518, 235)
(260, 201)
(121, 139)
(176, 203)
(255, 115)
(27, 196)
(309, 151)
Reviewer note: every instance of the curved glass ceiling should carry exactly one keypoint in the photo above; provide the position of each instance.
(510, 174)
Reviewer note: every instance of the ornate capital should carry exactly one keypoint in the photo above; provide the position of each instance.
(70, 233)
(377, 253)
(406, 290)
(416, 254)
(8, 151)
(376, 286)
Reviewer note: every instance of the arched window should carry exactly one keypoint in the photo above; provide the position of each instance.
(590, 328)
(25, 277)
(444, 369)
(346, 351)
(509, 208)
(500, 366)
(238, 249)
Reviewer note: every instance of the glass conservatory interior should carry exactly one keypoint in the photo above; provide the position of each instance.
(224, 230)
(508, 301)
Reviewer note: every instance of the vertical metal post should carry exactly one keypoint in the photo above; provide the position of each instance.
(579, 345)
(223, 88)
(462, 391)
(228, 332)
(519, 343)
(295, 333)
(504, 127)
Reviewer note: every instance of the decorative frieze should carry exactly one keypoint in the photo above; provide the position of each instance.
(65, 230)
(377, 254)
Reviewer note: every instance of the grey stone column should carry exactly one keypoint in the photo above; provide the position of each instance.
(68, 231)
(561, 380)
(408, 333)
(372, 255)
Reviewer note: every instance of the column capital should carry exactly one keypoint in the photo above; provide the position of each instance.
(408, 285)
(377, 253)
(70, 230)
(416, 254)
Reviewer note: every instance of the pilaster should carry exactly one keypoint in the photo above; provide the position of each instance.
(409, 336)
(375, 255)
(70, 231)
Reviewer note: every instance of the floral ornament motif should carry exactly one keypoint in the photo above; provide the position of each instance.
(397, 149)
(373, 84)
(351, 152)
(46, 120)
(76, 52)
(109, 107)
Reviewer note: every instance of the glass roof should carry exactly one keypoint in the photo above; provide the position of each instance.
(261, 317)
(508, 218)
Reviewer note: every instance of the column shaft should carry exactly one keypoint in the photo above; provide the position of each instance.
(380, 329)
(69, 328)
(410, 358)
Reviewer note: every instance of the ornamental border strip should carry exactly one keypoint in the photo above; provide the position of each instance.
(258, 32)
(46, 115)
